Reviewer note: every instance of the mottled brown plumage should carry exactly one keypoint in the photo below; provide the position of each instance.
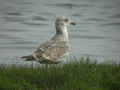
(55, 49)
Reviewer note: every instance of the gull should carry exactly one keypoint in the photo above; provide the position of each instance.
(54, 50)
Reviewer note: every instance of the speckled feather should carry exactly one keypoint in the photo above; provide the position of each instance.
(55, 49)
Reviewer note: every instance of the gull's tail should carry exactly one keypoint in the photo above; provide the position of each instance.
(28, 58)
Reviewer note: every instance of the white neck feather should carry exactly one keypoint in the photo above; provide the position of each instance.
(65, 33)
(61, 30)
(61, 33)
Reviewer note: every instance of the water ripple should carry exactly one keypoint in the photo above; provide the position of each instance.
(89, 37)
(77, 15)
(70, 5)
(13, 18)
(115, 16)
(35, 23)
(19, 42)
(111, 24)
(13, 30)
(17, 47)
(95, 19)
(14, 13)
(39, 18)
(5, 36)
(106, 7)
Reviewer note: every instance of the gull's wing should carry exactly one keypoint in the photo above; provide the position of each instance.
(51, 50)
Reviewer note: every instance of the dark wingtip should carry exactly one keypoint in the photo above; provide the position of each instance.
(30, 57)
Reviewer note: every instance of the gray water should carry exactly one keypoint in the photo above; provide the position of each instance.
(24, 24)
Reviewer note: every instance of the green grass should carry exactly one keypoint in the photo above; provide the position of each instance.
(78, 75)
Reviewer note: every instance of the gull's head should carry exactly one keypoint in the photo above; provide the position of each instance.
(63, 21)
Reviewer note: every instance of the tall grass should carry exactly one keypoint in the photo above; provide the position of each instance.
(78, 75)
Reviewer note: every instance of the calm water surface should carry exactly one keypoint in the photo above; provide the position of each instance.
(24, 24)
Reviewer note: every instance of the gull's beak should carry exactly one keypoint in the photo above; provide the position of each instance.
(72, 23)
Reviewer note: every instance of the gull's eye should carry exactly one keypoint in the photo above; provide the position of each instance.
(66, 20)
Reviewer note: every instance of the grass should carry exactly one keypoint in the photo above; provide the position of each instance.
(78, 75)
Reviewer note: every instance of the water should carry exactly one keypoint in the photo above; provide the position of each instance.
(24, 24)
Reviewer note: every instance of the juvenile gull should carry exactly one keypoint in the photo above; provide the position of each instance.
(54, 50)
